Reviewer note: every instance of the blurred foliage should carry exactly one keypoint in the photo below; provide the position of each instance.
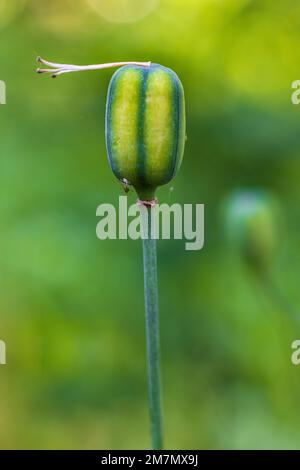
(71, 306)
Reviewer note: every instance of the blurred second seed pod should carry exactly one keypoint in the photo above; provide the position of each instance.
(251, 219)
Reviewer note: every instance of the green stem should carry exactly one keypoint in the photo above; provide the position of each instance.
(276, 294)
(152, 329)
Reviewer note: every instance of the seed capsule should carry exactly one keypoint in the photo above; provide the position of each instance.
(145, 126)
(251, 219)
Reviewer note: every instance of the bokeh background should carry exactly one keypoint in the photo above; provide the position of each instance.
(71, 306)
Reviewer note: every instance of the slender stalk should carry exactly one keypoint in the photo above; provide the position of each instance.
(152, 328)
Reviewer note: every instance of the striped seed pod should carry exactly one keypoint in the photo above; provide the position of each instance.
(145, 126)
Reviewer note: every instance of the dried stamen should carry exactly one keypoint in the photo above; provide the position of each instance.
(59, 69)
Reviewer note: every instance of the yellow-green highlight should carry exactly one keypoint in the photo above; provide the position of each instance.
(158, 130)
(124, 122)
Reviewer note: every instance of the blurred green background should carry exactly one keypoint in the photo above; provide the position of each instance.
(71, 306)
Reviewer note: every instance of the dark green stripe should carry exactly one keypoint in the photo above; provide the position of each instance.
(108, 123)
(176, 125)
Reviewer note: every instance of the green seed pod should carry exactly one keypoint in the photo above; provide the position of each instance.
(251, 220)
(145, 126)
